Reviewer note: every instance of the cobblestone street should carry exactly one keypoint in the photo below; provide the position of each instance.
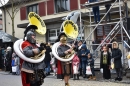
(14, 80)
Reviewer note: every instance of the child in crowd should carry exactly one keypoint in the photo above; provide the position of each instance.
(91, 64)
(15, 64)
(53, 64)
(75, 64)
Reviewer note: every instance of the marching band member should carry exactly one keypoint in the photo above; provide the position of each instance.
(64, 50)
(32, 74)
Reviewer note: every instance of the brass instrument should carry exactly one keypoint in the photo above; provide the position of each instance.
(70, 28)
(34, 19)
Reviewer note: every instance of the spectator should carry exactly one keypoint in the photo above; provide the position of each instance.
(95, 11)
(94, 47)
(16, 63)
(53, 64)
(75, 66)
(83, 54)
(105, 63)
(1, 65)
(9, 59)
(77, 45)
(47, 58)
(116, 57)
(108, 16)
(91, 63)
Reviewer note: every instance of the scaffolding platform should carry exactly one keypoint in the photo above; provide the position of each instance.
(99, 3)
(102, 24)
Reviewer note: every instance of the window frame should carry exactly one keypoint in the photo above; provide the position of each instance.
(32, 8)
(61, 4)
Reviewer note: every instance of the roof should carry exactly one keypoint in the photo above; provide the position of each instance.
(6, 37)
(17, 2)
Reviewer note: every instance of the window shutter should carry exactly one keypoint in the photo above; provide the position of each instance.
(23, 13)
(50, 7)
(73, 4)
(83, 1)
(42, 9)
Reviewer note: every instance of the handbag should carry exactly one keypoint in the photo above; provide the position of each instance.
(112, 65)
(129, 63)
(88, 70)
(14, 68)
(101, 70)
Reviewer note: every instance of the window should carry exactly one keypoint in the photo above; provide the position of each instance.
(62, 5)
(81, 33)
(33, 8)
(53, 34)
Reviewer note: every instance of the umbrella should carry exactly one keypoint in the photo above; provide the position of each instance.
(6, 37)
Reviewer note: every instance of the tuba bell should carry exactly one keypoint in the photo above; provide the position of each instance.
(70, 28)
(34, 19)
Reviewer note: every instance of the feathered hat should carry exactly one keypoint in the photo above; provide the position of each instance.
(29, 28)
(62, 33)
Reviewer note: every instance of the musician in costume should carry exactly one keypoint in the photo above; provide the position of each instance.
(32, 74)
(64, 50)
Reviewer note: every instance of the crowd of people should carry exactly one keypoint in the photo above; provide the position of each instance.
(9, 60)
(73, 69)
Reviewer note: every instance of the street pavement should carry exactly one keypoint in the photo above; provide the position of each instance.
(7, 79)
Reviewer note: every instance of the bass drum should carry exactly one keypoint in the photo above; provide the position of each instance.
(55, 53)
(18, 50)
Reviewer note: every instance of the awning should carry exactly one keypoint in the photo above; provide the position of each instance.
(6, 37)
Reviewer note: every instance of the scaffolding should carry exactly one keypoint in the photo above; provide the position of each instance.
(119, 27)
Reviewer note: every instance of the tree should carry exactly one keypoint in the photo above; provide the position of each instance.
(15, 6)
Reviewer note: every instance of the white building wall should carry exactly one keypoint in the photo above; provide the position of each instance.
(17, 20)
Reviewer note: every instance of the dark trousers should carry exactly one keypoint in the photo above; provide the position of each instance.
(1, 63)
(96, 14)
(84, 63)
(47, 69)
(108, 16)
(35, 84)
(106, 72)
(80, 67)
(119, 72)
(92, 70)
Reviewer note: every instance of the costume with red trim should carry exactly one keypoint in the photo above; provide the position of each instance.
(63, 68)
(32, 74)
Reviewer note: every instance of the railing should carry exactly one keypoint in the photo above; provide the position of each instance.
(127, 44)
(100, 20)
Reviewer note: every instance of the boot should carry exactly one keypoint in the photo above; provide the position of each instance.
(116, 78)
(119, 79)
(94, 78)
(80, 72)
(74, 77)
(90, 77)
(77, 76)
(67, 84)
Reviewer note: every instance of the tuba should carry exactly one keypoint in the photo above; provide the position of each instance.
(70, 28)
(34, 19)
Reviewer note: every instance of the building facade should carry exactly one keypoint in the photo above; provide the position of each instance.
(52, 12)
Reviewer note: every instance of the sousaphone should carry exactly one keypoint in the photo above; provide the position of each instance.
(34, 19)
(70, 28)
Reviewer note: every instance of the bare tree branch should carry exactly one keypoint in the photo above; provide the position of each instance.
(5, 8)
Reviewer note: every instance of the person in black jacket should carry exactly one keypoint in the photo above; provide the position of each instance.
(105, 63)
(116, 57)
(9, 59)
(47, 58)
(1, 62)
(108, 16)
